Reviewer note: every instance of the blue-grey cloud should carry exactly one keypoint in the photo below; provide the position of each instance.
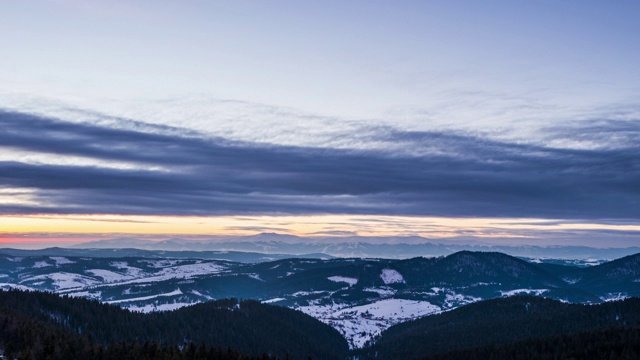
(453, 174)
(257, 229)
(334, 233)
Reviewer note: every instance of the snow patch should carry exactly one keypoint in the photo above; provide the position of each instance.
(177, 272)
(571, 281)
(129, 270)
(186, 271)
(361, 324)
(453, 300)
(7, 286)
(173, 293)
(523, 291)
(349, 280)
(592, 262)
(390, 276)
(198, 293)
(383, 292)
(65, 280)
(59, 260)
(272, 300)
(614, 297)
(255, 277)
(306, 293)
(158, 307)
(158, 264)
(108, 276)
(87, 294)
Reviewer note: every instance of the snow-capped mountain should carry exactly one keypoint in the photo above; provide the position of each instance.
(396, 247)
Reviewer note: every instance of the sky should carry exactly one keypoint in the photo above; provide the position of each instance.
(505, 121)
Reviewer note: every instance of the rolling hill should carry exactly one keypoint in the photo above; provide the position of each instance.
(358, 297)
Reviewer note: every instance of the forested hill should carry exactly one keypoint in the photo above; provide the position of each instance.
(503, 321)
(612, 344)
(43, 323)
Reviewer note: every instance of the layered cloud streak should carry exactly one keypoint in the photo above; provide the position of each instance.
(158, 170)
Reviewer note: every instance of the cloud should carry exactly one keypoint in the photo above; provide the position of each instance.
(602, 133)
(341, 233)
(258, 229)
(186, 173)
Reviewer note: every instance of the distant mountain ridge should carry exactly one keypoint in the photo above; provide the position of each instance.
(239, 256)
(357, 246)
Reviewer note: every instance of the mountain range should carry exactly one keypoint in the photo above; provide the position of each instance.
(397, 247)
(358, 297)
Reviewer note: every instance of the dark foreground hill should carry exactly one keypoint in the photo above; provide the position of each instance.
(37, 325)
(500, 322)
(611, 344)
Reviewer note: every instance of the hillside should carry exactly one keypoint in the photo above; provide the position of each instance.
(612, 344)
(498, 322)
(37, 325)
(249, 326)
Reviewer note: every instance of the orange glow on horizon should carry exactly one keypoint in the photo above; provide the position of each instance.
(60, 239)
(75, 227)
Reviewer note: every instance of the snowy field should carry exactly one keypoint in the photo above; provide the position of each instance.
(360, 324)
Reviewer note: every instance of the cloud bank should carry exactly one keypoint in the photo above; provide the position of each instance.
(167, 171)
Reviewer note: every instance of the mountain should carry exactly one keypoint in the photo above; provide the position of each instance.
(613, 275)
(501, 321)
(466, 267)
(250, 326)
(358, 297)
(396, 247)
(240, 256)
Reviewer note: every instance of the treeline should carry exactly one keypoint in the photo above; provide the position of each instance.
(62, 349)
(611, 344)
(26, 338)
(499, 322)
(43, 324)
(37, 325)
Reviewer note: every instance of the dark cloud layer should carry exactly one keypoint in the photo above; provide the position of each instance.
(450, 175)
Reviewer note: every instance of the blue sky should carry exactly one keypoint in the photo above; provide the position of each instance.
(350, 59)
(452, 109)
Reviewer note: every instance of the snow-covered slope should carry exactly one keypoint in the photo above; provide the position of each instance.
(362, 323)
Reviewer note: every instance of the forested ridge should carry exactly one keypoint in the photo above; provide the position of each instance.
(612, 344)
(40, 325)
(503, 321)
